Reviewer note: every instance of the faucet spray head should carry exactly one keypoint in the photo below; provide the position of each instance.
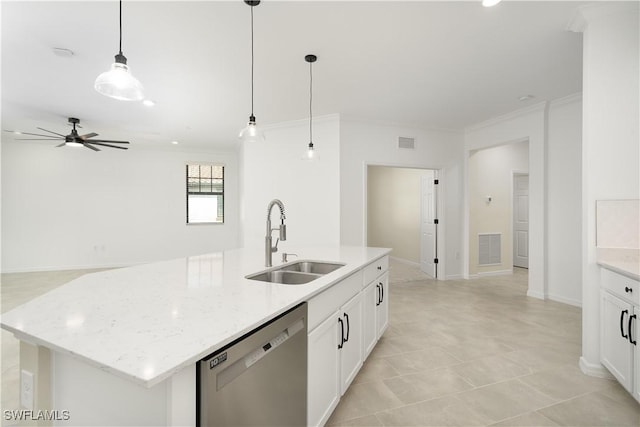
(283, 231)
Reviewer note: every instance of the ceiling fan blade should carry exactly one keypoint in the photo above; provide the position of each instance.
(89, 135)
(39, 134)
(55, 133)
(38, 139)
(62, 145)
(108, 145)
(112, 142)
(91, 146)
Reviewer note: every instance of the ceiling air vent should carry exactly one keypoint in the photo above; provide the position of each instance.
(407, 143)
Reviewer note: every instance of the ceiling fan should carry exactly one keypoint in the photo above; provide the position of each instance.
(73, 139)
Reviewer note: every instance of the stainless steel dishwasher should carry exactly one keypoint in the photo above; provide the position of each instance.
(259, 379)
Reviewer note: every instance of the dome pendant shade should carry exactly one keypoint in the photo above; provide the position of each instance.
(119, 83)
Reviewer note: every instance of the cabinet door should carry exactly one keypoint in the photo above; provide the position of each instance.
(636, 352)
(351, 351)
(323, 388)
(616, 351)
(369, 325)
(382, 312)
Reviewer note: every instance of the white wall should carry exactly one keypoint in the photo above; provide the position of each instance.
(564, 201)
(367, 143)
(525, 125)
(393, 210)
(611, 131)
(65, 208)
(491, 174)
(276, 169)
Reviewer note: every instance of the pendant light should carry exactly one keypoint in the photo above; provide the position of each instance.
(311, 152)
(118, 82)
(250, 133)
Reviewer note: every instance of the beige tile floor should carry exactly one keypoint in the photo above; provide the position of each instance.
(456, 353)
(479, 353)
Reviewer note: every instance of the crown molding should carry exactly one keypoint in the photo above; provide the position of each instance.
(536, 108)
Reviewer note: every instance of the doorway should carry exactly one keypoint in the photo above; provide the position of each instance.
(498, 199)
(521, 220)
(402, 214)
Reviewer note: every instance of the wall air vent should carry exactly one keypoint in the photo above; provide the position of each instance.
(406, 143)
(489, 252)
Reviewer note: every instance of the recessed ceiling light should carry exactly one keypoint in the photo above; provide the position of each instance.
(175, 142)
(62, 52)
(489, 3)
(17, 132)
(148, 103)
(525, 98)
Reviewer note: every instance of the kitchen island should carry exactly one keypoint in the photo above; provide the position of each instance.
(119, 347)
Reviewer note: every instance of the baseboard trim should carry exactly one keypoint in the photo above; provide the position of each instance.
(594, 370)
(564, 300)
(535, 294)
(405, 261)
(494, 273)
(453, 277)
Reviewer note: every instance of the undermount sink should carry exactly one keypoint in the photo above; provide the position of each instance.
(312, 267)
(297, 273)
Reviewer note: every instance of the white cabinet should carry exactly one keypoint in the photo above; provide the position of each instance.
(350, 343)
(345, 322)
(382, 304)
(323, 389)
(616, 351)
(370, 297)
(619, 312)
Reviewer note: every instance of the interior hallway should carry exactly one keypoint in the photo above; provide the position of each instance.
(456, 353)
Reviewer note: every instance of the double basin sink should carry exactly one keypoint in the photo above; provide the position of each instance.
(297, 273)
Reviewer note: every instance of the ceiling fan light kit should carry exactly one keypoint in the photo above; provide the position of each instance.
(118, 82)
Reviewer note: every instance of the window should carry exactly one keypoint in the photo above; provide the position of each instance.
(205, 194)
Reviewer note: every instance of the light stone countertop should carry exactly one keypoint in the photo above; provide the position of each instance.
(146, 322)
(620, 260)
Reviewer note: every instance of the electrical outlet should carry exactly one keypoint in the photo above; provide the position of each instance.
(26, 389)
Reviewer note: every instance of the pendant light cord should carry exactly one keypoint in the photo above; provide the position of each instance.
(120, 45)
(310, 102)
(252, 60)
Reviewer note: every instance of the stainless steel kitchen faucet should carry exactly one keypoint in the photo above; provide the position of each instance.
(268, 248)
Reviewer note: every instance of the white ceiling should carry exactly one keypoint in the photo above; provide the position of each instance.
(425, 64)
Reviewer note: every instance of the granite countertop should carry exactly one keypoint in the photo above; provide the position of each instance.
(147, 322)
(620, 260)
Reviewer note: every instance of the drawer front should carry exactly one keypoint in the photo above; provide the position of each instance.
(624, 287)
(325, 303)
(375, 269)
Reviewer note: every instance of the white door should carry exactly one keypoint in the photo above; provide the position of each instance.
(521, 220)
(428, 226)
